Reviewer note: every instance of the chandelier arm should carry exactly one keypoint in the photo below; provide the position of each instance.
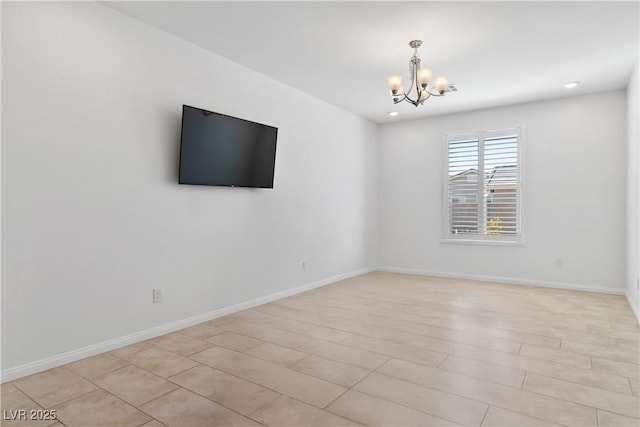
(434, 94)
(410, 101)
(426, 97)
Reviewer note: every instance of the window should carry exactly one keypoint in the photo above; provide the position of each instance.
(483, 187)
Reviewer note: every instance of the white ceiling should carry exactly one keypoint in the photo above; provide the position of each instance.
(497, 53)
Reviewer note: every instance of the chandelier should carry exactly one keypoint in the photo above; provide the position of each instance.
(419, 90)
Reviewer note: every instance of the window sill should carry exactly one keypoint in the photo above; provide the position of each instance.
(448, 240)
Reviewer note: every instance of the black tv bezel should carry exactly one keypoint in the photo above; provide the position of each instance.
(275, 148)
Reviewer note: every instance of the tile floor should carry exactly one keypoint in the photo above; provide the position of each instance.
(378, 349)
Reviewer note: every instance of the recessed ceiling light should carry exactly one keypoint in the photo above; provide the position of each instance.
(570, 85)
(393, 113)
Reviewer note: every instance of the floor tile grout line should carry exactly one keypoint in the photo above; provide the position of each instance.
(160, 376)
(348, 389)
(237, 333)
(378, 397)
(609, 357)
(418, 335)
(269, 315)
(489, 403)
(415, 290)
(578, 403)
(253, 337)
(240, 378)
(583, 385)
(323, 301)
(450, 315)
(61, 423)
(537, 373)
(109, 393)
(235, 376)
(432, 326)
(455, 342)
(470, 376)
(511, 313)
(201, 395)
(315, 407)
(331, 342)
(255, 383)
(158, 397)
(486, 335)
(580, 384)
(103, 373)
(543, 359)
(485, 415)
(521, 369)
(65, 401)
(260, 385)
(325, 358)
(505, 408)
(359, 348)
(456, 330)
(142, 368)
(409, 407)
(442, 362)
(437, 389)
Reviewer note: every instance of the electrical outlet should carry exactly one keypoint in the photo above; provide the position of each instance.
(157, 295)
(558, 263)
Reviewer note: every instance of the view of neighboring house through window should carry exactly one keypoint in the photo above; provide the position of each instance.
(483, 186)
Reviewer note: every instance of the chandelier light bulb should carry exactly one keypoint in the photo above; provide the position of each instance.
(424, 76)
(442, 83)
(395, 84)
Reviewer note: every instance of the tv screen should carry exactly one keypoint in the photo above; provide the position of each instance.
(221, 150)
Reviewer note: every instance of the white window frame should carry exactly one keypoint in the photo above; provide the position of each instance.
(481, 239)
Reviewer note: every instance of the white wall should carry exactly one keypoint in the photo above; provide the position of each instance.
(574, 195)
(93, 217)
(633, 193)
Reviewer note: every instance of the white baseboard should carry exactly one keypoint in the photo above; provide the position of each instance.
(81, 353)
(509, 280)
(634, 306)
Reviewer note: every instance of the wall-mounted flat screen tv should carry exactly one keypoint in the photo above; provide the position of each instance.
(221, 150)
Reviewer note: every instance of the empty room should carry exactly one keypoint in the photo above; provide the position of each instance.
(320, 213)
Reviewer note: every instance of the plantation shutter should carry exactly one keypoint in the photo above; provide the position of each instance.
(463, 186)
(501, 185)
